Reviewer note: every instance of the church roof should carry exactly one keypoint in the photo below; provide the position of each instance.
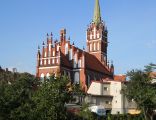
(94, 64)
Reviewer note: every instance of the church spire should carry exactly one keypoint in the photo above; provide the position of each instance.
(97, 13)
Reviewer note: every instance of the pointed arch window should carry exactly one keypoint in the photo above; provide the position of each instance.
(90, 46)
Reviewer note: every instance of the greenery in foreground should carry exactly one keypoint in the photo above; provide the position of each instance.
(23, 97)
(141, 89)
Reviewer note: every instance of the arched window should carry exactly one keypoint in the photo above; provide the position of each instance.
(48, 76)
(41, 62)
(98, 46)
(48, 61)
(77, 77)
(75, 60)
(90, 46)
(88, 80)
(45, 54)
(42, 77)
(45, 62)
(70, 54)
(94, 46)
(79, 63)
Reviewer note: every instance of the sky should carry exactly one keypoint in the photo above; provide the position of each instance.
(24, 24)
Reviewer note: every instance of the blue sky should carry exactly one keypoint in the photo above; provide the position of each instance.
(24, 23)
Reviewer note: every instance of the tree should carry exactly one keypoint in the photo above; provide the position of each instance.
(141, 90)
(50, 99)
(15, 97)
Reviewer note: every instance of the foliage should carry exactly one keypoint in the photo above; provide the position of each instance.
(15, 97)
(141, 90)
(86, 113)
(50, 99)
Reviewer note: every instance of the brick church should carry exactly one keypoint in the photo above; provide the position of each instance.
(80, 65)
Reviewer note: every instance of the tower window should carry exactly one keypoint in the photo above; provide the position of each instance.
(45, 54)
(91, 47)
(49, 61)
(98, 46)
(57, 60)
(53, 53)
(79, 63)
(45, 62)
(53, 61)
(41, 62)
(94, 46)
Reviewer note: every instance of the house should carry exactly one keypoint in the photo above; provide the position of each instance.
(108, 93)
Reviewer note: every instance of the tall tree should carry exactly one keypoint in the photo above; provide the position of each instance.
(141, 90)
(50, 99)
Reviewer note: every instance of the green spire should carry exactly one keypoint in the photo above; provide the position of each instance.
(97, 13)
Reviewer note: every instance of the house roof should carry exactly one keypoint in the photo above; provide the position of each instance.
(120, 77)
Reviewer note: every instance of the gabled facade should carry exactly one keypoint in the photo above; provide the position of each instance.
(62, 57)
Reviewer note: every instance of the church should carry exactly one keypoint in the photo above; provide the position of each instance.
(82, 66)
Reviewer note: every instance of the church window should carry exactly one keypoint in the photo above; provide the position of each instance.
(75, 59)
(77, 77)
(98, 46)
(57, 60)
(45, 54)
(70, 54)
(49, 47)
(98, 35)
(90, 36)
(48, 76)
(45, 62)
(53, 61)
(79, 63)
(41, 62)
(53, 53)
(91, 47)
(42, 77)
(66, 48)
(49, 61)
(94, 46)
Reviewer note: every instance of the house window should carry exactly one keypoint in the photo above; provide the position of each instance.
(105, 88)
(107, 102)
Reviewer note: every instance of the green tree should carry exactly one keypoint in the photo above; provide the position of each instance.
(141, 90)
(50, 99)
(15, 97)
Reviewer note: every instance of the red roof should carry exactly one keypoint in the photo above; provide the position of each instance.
(65, 62)
(94, 64)
(120, 77)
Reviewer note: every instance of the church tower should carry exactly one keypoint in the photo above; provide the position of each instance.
(97, 36)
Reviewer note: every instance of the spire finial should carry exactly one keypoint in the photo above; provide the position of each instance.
(97, 13)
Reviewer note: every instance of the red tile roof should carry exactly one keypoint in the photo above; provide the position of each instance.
(65, 62)
(94, 64)
(120, 77)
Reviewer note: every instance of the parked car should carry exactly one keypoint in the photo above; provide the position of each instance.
(99, 110)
